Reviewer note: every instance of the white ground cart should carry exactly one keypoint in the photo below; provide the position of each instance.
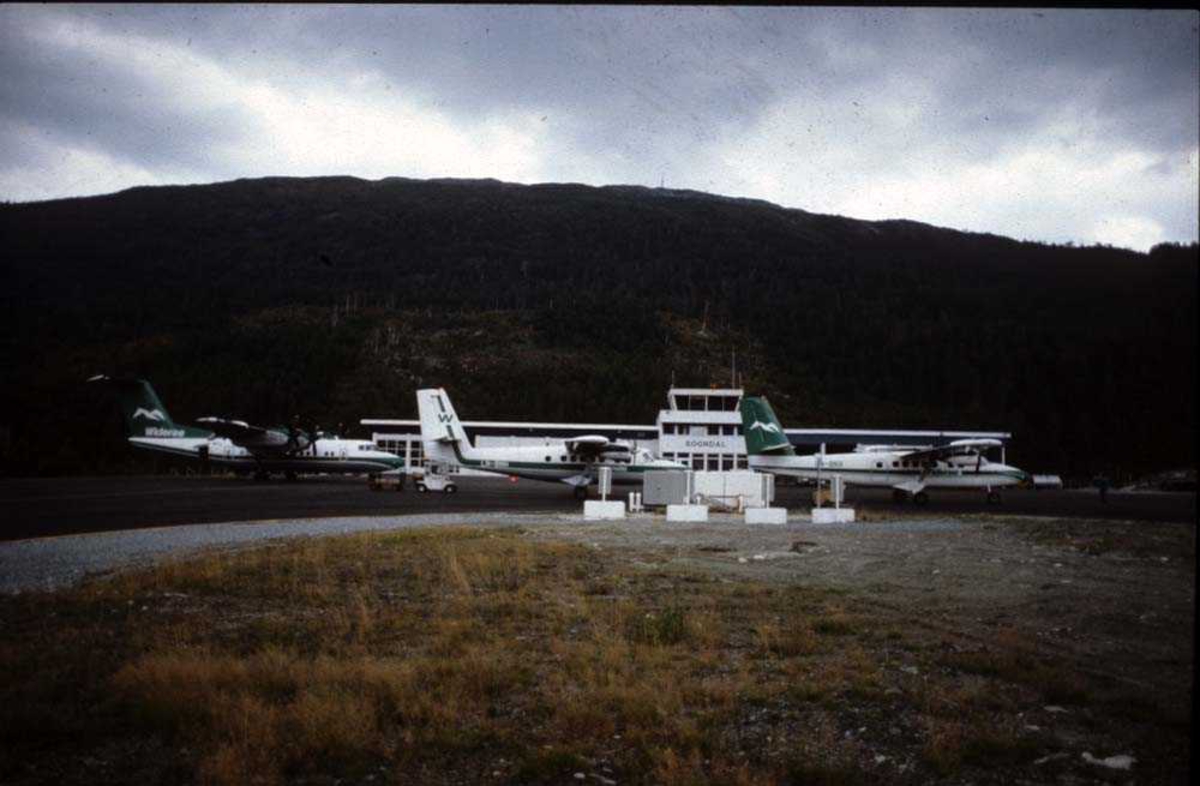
(436, 477)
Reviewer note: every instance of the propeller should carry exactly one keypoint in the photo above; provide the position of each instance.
(293, 438)
(300, 439)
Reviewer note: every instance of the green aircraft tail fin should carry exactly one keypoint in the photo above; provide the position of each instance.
(145, 415)
(762, 430)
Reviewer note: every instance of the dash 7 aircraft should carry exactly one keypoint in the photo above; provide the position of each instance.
(238, 445)
(908, 471)
(571, 461)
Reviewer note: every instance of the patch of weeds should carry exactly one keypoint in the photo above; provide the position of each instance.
(806, 692)
(1059, 686)
(818, 773)
(661, 628)
(824, 758)
(1056, 684)
(955, 743)
(943, 749)
(785, 642)
(834, 625)
(994, 748)
(598, 587)
(549, 763)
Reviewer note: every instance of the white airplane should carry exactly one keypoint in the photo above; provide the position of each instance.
(571, 461)
(239, 445)
(908, 471)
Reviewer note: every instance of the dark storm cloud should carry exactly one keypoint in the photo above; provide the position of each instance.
(70, 97)
(739, 100)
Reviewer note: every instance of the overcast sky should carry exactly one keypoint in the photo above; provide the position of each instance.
(1049, 125)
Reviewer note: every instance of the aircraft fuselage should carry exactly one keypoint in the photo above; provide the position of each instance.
(324, 455)
(554, 462)
(889, 470)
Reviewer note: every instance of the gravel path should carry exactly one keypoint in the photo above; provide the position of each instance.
(52, 563)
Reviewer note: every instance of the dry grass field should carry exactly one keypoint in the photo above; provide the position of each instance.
(447, 656)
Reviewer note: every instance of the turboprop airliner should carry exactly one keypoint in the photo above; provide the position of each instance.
(240, 446)
(908, 471)
(574, 462)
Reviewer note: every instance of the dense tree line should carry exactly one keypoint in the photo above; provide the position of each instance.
(334, 298)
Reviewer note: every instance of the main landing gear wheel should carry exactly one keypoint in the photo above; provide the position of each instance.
(921, 498)
(993, 497)
(581, 492)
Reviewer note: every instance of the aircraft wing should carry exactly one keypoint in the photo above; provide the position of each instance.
(240, 432)
(594, 445)
(959, 447)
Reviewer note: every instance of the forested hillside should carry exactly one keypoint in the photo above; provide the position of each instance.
(336, 298)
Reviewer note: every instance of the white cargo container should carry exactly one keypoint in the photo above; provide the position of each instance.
(735, 490)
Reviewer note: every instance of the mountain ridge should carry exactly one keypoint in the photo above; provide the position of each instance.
(300, 294)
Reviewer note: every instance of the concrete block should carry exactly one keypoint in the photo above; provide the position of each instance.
(766, 515)
(600, 509)
(832, 515)
(687, 512)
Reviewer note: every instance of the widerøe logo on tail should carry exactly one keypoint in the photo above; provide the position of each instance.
(176, 433)
(149, 414)
(771, 427)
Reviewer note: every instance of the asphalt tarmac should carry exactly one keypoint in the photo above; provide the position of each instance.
(45, 507)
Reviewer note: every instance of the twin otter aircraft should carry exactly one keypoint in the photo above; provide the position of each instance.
(907, 471)
(240, 446)
(571, 461)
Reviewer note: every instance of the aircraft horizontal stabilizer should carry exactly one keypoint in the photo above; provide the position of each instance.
(578, 480)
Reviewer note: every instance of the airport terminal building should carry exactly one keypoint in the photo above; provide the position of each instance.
(700, 427)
